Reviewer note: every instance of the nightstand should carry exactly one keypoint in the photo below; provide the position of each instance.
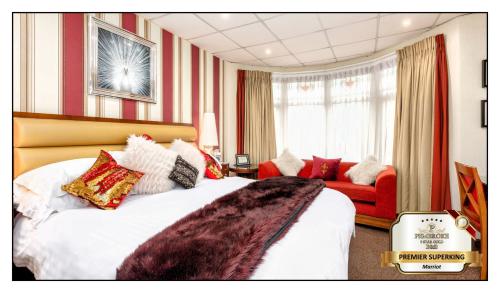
(225, 169)
(247, 172)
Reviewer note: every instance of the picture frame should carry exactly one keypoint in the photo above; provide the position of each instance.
(120, 64)
(485, 73)
(242, 160)
(484, 113)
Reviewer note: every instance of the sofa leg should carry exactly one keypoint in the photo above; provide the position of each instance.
(374, 221)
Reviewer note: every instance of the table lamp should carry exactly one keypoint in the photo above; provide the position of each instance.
(208, 137)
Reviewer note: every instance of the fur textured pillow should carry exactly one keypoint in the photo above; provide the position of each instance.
(365, 172)
(155, 161)
(191, 154)
(288, 164)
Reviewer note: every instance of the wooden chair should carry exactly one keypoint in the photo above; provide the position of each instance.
(473, 203)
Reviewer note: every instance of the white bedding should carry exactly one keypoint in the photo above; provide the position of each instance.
(89, 243)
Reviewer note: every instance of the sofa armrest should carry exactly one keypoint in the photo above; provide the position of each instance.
(268, 169)
(386, 193)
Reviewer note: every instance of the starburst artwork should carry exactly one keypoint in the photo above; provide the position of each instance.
(122, 65)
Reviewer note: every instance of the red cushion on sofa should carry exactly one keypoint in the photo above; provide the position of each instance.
(344, 167)
(268, 169)
(306, 170)
(357, 192)
(325, 169)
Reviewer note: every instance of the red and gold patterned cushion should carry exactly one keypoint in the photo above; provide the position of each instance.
(105, 184)
(212, 169)
(147, 136)
(325, 169)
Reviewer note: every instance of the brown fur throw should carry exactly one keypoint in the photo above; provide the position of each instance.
(224, 240)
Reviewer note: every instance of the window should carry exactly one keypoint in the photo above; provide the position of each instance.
(346, 113)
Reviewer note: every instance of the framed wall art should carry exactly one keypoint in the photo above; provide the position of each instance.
(484, 113)
(120, 64)
(484, 73)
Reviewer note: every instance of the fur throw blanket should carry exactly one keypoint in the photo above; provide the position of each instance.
(224, 240)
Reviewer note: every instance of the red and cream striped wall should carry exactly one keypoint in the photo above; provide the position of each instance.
(50, 71)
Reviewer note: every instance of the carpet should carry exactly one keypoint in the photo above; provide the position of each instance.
(364, 259)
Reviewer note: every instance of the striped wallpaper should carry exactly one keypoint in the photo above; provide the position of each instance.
(50, 71)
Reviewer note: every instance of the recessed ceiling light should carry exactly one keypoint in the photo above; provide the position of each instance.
(406, 22)
(224, 16)
(268, 51)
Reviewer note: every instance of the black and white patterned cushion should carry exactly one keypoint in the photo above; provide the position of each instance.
(184, 173)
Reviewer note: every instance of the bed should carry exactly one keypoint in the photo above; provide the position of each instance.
(89, 243)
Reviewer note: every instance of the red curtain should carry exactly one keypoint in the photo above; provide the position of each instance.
(240, 111)
(440, 195)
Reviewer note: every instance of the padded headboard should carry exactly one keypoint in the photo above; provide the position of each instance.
(41, 139)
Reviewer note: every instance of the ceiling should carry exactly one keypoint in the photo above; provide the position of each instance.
(296, 39)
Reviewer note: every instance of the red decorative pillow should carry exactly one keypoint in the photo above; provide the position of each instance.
(325, 169)
(147, 136)
(105, 184)
(213, 169)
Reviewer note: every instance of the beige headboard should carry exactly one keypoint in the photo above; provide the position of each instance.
(41, 139)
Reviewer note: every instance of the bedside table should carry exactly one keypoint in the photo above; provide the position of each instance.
(225, 169)
(247, 172)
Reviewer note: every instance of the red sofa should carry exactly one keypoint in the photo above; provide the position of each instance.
(375, 205)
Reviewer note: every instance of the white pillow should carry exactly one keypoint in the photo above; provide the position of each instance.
(37, 193)
(152, 159)
(47, 180)
(192, 155)
(365, 172)
(40, 207)
(288, 164)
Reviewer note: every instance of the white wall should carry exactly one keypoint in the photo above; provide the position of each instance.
(467, 138)
(465, 39)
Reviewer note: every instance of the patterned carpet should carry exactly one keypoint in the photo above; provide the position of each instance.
(364, 259)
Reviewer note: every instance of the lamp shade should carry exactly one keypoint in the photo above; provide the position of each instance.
(208, 135)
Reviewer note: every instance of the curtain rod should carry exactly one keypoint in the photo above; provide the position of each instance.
(336, 68)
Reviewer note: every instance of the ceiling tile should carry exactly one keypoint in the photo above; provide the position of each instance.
(287, 60)
(151, 15)
(238, 55)
(270, 50)
(444, 17)
(185, 25)
(307, 42)
(393, 24)
(267, 15)
(291, 25)
(317, 55)
(330, 20)
(214, 43)
(255, 62)
(222, 21)
(365, 47)
(386, 42)
(353, 32)
(251, 34)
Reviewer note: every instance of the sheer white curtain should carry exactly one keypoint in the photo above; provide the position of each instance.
(346, 113)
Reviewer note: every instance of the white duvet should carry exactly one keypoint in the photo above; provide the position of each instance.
(90, 243)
